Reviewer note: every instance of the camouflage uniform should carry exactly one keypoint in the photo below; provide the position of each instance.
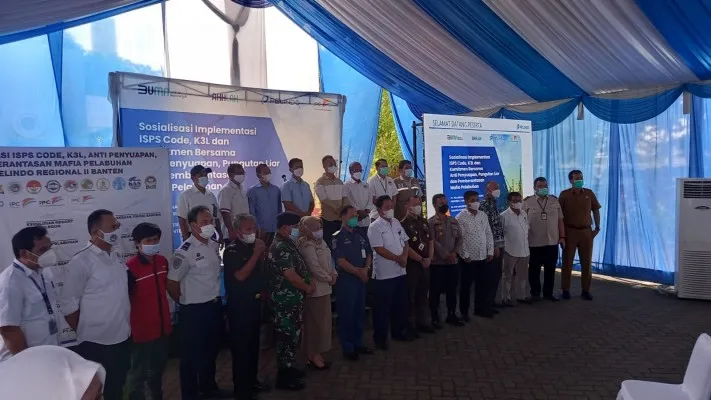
(287, 301)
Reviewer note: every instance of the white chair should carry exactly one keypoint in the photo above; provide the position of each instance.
(696, 385)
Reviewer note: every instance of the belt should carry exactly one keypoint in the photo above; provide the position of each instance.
(217, 299)
(578, 227)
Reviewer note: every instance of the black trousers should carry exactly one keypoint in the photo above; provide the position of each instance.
(115, 358)
(443, 279)
(495, 269)
(200, 326)
(390, 309)
(476, 272)
(329, 228)
(548, 257)
(244, 314)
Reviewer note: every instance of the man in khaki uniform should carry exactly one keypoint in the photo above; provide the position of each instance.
(329, 189)
(546, 231)
(577, 203)
(407, 186)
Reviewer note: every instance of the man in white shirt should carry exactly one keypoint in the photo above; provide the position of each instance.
(198, 195)
(359, 195)
(389, 242)
(233, 200)
(27, 315)
(515, 225)
(381, 184)
(477, 251)
(194, 283)
(99, 279)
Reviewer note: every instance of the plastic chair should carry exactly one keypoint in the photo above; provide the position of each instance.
(696, 385)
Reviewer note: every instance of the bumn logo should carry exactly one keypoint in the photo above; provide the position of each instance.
(153, 90)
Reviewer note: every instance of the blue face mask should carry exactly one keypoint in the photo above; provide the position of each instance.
(294, 233)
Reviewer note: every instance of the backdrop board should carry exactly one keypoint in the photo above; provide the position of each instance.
(463, 153)
(217, 125)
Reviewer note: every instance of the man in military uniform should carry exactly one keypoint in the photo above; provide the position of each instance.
(289, 282)
(418, 266)
(244, 283)
(353, 256)
(577, 203)
(546, 231)
(407, 186)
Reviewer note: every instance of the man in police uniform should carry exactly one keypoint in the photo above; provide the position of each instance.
(418, 266)
(198, 195)
(353, 256)
(407, 186)
(577, 203)
(194, 283)
(546, 231)
(244, 282)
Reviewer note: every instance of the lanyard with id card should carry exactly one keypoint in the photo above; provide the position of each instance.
(544, 214)
(45, 297)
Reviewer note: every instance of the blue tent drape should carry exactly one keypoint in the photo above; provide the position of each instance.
(360, 122)
(403, 124)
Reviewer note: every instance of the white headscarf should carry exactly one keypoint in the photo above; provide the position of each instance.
(47, 372)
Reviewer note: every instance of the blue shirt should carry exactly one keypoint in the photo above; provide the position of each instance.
(265, 205)
(353, 246)
(297, 192)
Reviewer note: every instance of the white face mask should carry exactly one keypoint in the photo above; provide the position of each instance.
(238, 178)
(318, 234)
(417, 210)
(332, 169)
(357, 175)
(203, 181)
(47, 259)
(150, 249)
(390, 214)
(111, 238)
(474, 205)
(207, 231)
(496, 193)
(249, 239)
(517, 206)
(299, 172)
(267, 177)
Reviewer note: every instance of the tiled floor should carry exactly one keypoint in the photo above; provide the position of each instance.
(566, 350)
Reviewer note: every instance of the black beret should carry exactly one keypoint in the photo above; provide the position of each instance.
(287, 218)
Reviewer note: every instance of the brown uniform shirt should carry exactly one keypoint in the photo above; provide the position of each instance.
(447, 236)
(406, 188)
(418, 230)
(577, 207)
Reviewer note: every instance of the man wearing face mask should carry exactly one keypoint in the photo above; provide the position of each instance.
(418, 266)
(491, 208)
(516, 252)
(27, 318)
(407, 186)
(390, 244)
(194, 283)
(546, 232)
(329, 189)
(577, 203)
(198, 195)
(244, 282)
(265, 203)
(296, 193)
(380, 184)
(477, 250)
(233, 200)
(150, 314)
(359, 196)
(99, 278)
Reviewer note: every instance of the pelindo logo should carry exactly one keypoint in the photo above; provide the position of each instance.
(271, 100)
(522, 127)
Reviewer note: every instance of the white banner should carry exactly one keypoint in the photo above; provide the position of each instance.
(217, 125)
(59, 187)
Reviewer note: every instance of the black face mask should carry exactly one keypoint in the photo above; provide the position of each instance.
(443, 208)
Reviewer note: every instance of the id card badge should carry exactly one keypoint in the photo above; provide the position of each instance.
(52, 327)
(362, 253)
(544, 216)
(421, 247)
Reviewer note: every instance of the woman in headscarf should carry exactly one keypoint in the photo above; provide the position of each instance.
(317, 311)
(289, 282)
(50, 372)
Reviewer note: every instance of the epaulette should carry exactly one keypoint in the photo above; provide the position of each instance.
(526, 198)
(185, 246)
(552, 196)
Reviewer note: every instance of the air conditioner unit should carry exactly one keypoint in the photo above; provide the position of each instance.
(693, 239)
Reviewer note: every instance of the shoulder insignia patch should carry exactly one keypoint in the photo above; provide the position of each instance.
(185, 246)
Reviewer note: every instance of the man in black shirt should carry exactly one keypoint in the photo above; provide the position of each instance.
(244, 283)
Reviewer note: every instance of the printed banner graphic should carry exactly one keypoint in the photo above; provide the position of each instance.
(59, 187)
(217, 125)
(464, 153)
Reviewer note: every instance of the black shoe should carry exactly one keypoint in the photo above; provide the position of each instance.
(261, 387)
(437, 325)
(425, 329)
(551, 298)
(298, 373)
(535, 298)
(311, 365)
(495, 311)
(466, 318)
(364, 350)
(566, 295)
(524, 301)
(586, 296)
(382, 346)
(217, 394)
(286, 381)
(353, 356)
(453, 320)
(484, 314)
(403, 338)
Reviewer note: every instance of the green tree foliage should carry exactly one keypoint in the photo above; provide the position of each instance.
(387, 145)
